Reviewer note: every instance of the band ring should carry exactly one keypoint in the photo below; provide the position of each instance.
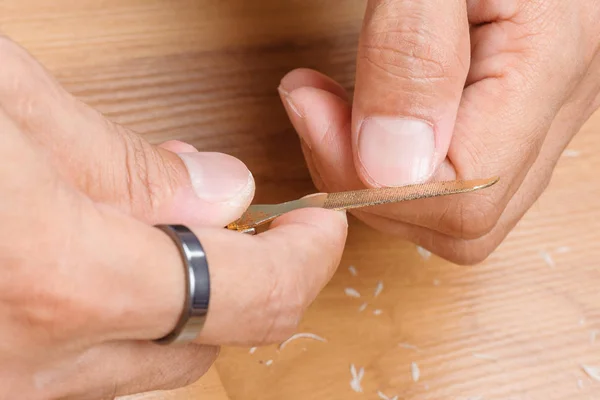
(197, 285)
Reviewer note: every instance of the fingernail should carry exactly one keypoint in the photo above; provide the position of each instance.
(218, 178)
(396, 152)
(344, 216)
(289, 102)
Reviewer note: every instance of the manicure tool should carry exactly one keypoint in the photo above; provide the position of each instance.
(260, 214)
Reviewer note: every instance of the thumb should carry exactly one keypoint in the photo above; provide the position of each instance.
(211, 189)
(412, 66)
(113, 165)
(173, 183)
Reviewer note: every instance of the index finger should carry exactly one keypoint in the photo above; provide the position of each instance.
(263, 284)
(133, 285)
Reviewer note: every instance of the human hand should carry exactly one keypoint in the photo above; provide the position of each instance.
(447, 90)
(86, 282)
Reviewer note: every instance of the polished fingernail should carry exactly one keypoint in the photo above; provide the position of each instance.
(395, 151)
(218, 178)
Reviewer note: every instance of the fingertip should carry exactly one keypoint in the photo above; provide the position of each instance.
(326, 129)
(214, 190)
(394, 151)
(277, 273)
(323, 113)
(304, 77)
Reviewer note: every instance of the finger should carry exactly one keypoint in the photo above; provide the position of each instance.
(259, 285)
(88, 278)
(472, 251)
(121, 368)
(321, 115)
(485, 11)
(322, 118)
(113, 165)
(465, 251)
(276, 275)
(454, 242)
(413, 59)
(495, 137)
(304, 77)
(297, 118)
(139, 265)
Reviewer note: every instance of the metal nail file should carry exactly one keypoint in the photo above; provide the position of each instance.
(260, 214)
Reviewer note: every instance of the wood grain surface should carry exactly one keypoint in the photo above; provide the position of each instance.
(518, 326)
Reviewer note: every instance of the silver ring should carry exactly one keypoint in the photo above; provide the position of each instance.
(197, 285)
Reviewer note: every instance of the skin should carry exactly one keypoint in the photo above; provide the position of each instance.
(505, 85)
(86, 282)
(502, 85)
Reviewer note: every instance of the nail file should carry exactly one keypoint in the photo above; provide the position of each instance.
(260, 214)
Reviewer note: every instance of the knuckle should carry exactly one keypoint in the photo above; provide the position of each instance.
(34, 308)
(407, 51)
(144, 184)
(30, 112)
(469, 252)
(472, 217)
(22, 80)
(33, 290)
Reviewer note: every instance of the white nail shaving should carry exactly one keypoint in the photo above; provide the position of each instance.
(593, 335)
(356, 378)
(305, 335)
(424, 253)
(351, 292)
(592, 372)
(415, 371)
(547, 259)
(352, 270)
(571, 153)
(383, 396)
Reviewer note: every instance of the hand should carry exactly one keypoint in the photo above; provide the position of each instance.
(453, 89)
(86, 282)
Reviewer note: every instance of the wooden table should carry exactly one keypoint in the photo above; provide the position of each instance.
(207, 72)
